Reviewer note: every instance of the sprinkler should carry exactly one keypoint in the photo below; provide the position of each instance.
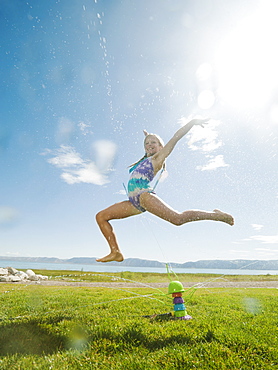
(176, 289)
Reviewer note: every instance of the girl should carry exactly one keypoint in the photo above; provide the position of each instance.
(142, 197)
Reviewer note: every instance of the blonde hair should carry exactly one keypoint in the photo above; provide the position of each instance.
(160, 142)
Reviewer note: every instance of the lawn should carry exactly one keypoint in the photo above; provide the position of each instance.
(50, 327)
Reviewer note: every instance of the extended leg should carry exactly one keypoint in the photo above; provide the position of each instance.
(116, 211)
(156, 206)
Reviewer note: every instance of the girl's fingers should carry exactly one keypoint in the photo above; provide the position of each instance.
(200, 121)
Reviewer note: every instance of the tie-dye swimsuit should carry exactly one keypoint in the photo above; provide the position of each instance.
(141, 176)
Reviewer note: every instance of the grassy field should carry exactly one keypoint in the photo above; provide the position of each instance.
(60, 327)
(146, 277)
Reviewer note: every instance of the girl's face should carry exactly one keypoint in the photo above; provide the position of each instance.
(152, 145)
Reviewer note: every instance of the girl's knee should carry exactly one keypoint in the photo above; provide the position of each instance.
(177, 222)
(100, 217)
(180, 219)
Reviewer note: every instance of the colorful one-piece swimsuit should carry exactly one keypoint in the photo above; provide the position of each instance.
(141, 176)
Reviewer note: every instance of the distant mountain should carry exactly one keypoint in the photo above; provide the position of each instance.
(33, 259)
(233, 264)
(137, 262)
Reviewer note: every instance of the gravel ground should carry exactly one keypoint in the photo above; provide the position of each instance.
(208, 284)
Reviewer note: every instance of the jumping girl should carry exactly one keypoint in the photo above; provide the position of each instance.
(142, 197)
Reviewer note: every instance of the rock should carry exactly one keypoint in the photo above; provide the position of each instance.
(10, 274)
(22, 275)
(10, 278)
(11, 270)
(3, 271)
(30, 273)
(5, 278)
(42, 277)
(15, 278)
(33, 277)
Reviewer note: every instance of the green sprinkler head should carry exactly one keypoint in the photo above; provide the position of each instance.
(175, 287)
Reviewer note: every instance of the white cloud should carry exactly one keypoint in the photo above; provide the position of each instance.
(65, 156)
(213, 164)
(266, 239)
(87, 173)
(266, 250)
(206, 140)
(257, 227)
(12, 254)
(237, 251)
(121, 192)
(105, 153)
(8, 216)
(84, 128)
(75, 169)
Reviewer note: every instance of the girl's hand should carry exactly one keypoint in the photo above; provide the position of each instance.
(199, 122)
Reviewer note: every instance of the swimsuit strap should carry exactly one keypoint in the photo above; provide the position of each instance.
(125, 188)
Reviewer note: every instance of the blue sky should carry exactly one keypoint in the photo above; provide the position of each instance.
(80, 80)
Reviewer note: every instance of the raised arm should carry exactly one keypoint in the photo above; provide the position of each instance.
(160, 157)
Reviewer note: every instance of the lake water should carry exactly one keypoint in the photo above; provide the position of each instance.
(110, 269)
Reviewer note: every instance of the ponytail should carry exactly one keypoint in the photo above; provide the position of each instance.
(131, 167)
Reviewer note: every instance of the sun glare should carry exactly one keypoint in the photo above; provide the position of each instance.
(206, 99)
(247, 60)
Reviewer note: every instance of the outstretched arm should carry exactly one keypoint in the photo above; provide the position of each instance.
(160, 157)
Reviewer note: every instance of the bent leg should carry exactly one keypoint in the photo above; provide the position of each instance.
(156, 206)
(116, 211)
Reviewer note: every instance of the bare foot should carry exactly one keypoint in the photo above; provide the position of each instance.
(113, 256)
(224, 217)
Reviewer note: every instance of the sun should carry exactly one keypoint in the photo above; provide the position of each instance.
(247, 59)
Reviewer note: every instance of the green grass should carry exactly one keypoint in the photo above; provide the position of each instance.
(43, 327)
